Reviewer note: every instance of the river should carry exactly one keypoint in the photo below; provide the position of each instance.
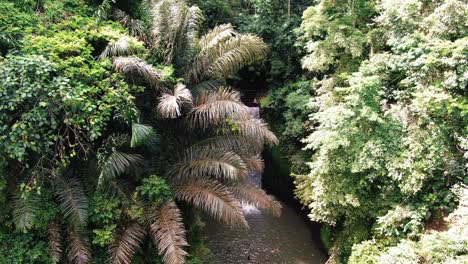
(269, 240)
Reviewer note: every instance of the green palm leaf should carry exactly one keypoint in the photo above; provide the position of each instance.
(24, 211)
(73, 201)
(118, 163)
(141, 134)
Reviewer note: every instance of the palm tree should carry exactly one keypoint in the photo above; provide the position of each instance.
(213, 140)
(216, 140)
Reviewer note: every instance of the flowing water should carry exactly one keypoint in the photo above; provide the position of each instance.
(270, 240)
(284, 240)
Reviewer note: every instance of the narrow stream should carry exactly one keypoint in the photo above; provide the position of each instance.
(270, 240)
(287, 239)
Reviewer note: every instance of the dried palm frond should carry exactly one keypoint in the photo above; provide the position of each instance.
(124, 46)
(126, 243)
(254, 163)
(256, 196)
(136, 69)
(208, 85)
(236, 143)
(118, 163)
(55, 242)
(78, 247)
(24, 211)
(168, 233)
(170, 105)
(198, 163)
(168, 22)
(141, 134)
(73, 200)
(213, 198)
(256, 129)
(213, 108)
(188, 45)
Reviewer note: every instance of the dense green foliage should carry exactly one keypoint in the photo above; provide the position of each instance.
(389, 122)
(86, 103)
(114, 114)
(385, 89)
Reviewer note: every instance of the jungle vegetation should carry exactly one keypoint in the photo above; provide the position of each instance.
(122, 125)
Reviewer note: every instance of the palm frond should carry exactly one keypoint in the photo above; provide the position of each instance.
(208, 85)
(213, 198)
(213, 108)
(24, 211)
(168, 233)
(190, 34)
(78, 247)
(170, 105)
(236, 143)
(256, 196)
(124, 46)
(141, 134)
(168, 22)
(125, 244)
(256, 129)
(134, 26)
(136, 69)
(118, 163)
(236, 53)
(254, 163)
(73, 200)
(223, 52)
(55, 242)
(199, 162)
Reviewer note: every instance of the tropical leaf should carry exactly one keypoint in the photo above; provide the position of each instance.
(190, 31)
(213, 108)
(24, 211)
(213, 198)
(78, 247)
(254, 163)
(243, 146)
(117, 163)
(55, 242)
(169, 18)
(126, 243)
(170, 105)
(168, 233)
(257, 197)
(136, 69)
(73, 200)
(141, 134)
(198, 163)
(124, 46)
(256, 129)
(135, 27)
(223, 52)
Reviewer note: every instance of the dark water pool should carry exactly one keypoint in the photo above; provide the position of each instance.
(284, 240)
